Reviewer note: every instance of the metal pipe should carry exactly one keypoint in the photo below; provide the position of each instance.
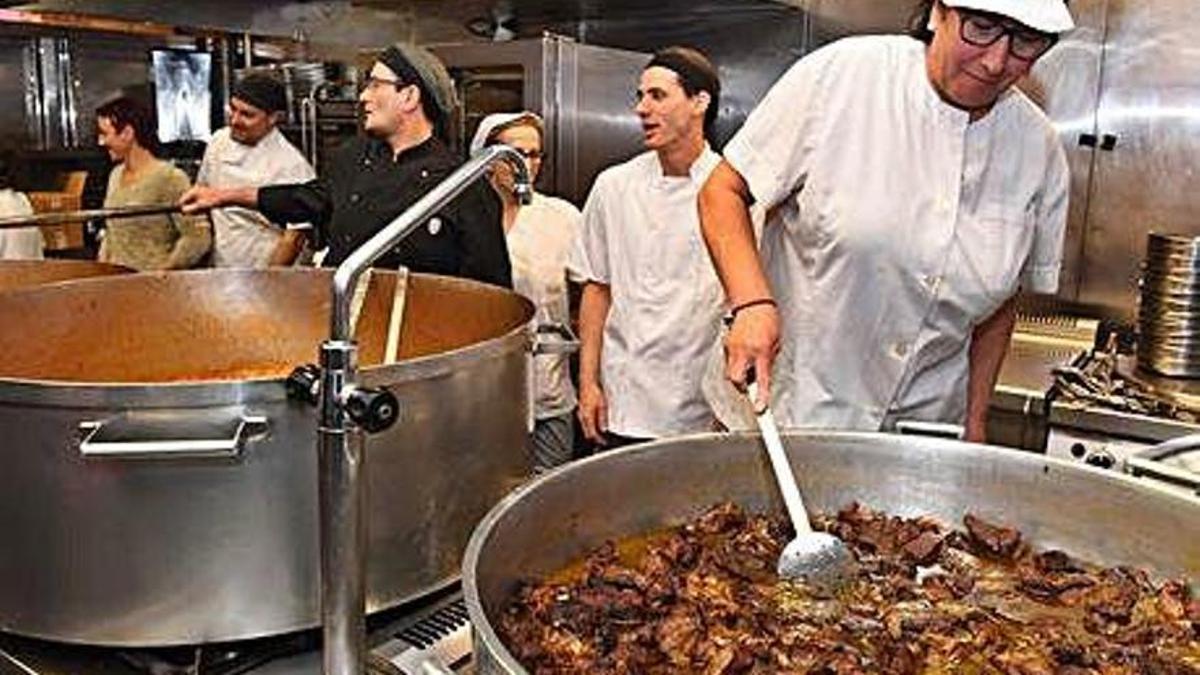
(346, 276)
(308, 121)
(340, 444)
(86, 214)
(342, 499)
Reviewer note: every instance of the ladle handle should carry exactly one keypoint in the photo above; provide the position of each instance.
(57, 217)
(782, 468)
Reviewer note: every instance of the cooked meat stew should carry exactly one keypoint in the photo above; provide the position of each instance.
(704, 598)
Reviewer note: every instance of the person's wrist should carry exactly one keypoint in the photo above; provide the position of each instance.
(750, 307)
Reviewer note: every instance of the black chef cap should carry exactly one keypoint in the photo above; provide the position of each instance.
(696, 74)
(261, 91)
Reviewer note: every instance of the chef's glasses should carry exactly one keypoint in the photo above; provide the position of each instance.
(528, 153)
(983, 30)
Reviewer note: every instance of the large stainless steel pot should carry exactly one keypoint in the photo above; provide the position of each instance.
(212, 535)
(23, 273)
(541, 527)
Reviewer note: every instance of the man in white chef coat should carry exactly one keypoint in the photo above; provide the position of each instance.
(251, 152)
(651, 305)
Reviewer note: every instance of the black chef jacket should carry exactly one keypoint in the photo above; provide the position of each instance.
(362, 189)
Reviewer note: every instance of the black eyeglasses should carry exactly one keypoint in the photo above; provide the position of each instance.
(374, 83)
(983, 30)
(529, 154)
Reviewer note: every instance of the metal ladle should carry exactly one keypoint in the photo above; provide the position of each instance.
(818, 558)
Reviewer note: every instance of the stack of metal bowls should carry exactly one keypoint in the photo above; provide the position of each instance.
(1169, 313)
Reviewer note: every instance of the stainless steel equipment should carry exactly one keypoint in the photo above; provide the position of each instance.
(203, 528)
(1018, 416)
(348, 408)
(645, 487)
(1109, 414)
(1124, 94)
(406, 640)
(1169, 312)
(23, 273)
(581, 91)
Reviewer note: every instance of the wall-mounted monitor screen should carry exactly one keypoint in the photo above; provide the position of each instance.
(182, 94)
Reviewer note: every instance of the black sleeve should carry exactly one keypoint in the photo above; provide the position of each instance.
(299, 203)
(480, 233)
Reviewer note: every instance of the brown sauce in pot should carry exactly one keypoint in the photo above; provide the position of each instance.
(925, 600)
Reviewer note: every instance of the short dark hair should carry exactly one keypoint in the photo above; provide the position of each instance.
(918, 22)
(696, 74)
(126, 111)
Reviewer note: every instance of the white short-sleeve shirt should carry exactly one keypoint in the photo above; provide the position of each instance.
(23, 243)
(244, 237)
(641, 237)
(539, 246)
(899, 226)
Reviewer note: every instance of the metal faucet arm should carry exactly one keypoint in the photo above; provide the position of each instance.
(346, 411)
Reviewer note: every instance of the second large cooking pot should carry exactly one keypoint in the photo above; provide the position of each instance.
(1094, 514)
(158, 487)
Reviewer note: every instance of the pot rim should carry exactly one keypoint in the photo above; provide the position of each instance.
(71, 394)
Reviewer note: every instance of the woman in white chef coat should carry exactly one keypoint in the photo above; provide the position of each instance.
(539, 237)
(913, 191)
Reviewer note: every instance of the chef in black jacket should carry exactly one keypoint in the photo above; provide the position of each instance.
(407, 103)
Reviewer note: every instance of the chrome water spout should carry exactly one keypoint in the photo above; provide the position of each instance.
(347, 411)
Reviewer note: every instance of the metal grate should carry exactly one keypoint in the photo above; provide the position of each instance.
(442, 638)
(437, 626)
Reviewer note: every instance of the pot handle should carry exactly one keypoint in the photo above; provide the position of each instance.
(564, 340)
(934, 429)
(1149, 462)
(215, 433)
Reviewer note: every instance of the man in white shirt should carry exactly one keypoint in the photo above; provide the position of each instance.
(914, 191)
(651, 305)
(251, 152)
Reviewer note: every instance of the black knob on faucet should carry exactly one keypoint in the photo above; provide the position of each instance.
(373, 410)
(304, 384)
(1102, 459)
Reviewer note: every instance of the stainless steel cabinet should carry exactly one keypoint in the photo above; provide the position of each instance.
(584, 93)
(1124, 92)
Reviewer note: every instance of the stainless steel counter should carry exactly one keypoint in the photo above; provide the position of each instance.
(1018, 415)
